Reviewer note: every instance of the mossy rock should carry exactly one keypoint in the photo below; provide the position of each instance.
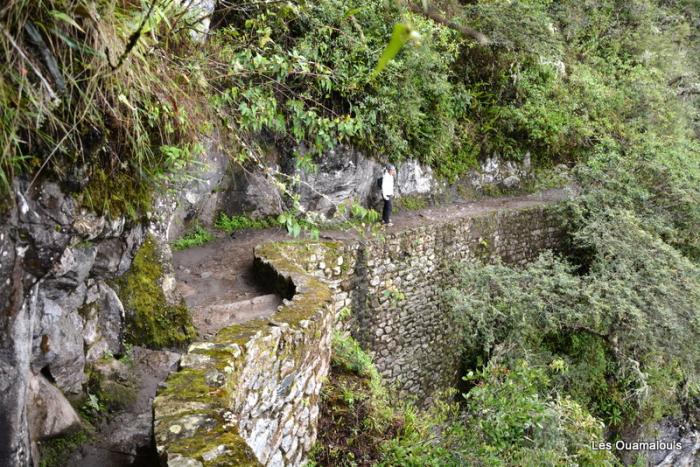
(150, 320)
(117, 395)
(117, 194)
(55, 452)
(411, 203)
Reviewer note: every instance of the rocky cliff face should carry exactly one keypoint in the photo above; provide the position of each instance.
(345, 175)
(59, 311)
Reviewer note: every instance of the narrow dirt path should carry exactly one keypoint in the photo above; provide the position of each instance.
(216, 279)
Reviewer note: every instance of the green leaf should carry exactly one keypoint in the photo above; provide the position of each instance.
(59, 15)
(399, 37)
(352, 12)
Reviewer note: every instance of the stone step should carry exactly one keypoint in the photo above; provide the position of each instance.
(209, 319)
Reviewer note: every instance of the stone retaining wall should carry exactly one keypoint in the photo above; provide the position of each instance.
(397, 304)
(251, 396)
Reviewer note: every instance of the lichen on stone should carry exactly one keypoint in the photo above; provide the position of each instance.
(236, 397)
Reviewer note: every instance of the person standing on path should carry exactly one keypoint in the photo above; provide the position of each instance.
(388, 193)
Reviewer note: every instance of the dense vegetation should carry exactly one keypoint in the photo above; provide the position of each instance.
(109, 97)
(112, 94)
(512, 421)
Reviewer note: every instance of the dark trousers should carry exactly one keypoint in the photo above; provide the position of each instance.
(386, 212)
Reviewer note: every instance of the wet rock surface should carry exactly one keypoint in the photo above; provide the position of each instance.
(496, 171)
(49, 412)
(672, 442)
(252, 193)
(199, 194)
(343, 174)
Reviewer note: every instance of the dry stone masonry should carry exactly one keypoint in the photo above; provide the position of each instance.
(251, 396)
(397, 306)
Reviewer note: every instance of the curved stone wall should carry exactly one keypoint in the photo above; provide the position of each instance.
(251, 395)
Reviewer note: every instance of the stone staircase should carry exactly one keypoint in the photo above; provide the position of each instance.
(209, 319)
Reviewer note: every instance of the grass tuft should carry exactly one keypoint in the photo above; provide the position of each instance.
(199, 236)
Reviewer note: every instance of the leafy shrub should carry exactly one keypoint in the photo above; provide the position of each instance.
(348, 355)
(512, 417)
(355, 413)
(621, 312)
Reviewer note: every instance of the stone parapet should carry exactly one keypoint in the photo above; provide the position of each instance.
(398, 311)
(251, 395)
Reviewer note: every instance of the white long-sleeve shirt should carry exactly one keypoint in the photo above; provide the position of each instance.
(387, 185)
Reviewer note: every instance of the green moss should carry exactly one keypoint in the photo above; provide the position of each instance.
(151, 320)
(188, 389)
(117, 194)
(233, 223)
(55, 452)
(240, 333)
(190, 384)
(117, 395)
(237, 450)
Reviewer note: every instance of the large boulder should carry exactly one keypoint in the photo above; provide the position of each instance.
(197, 195)
(15, 358)
(253, 193)
(341, 175)
(496, 171)
(114, 254)
(669, 443)
(49, 413)
(58, 338)
(103, 316)
(344, 175)
(45, 216)
(412, 178)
